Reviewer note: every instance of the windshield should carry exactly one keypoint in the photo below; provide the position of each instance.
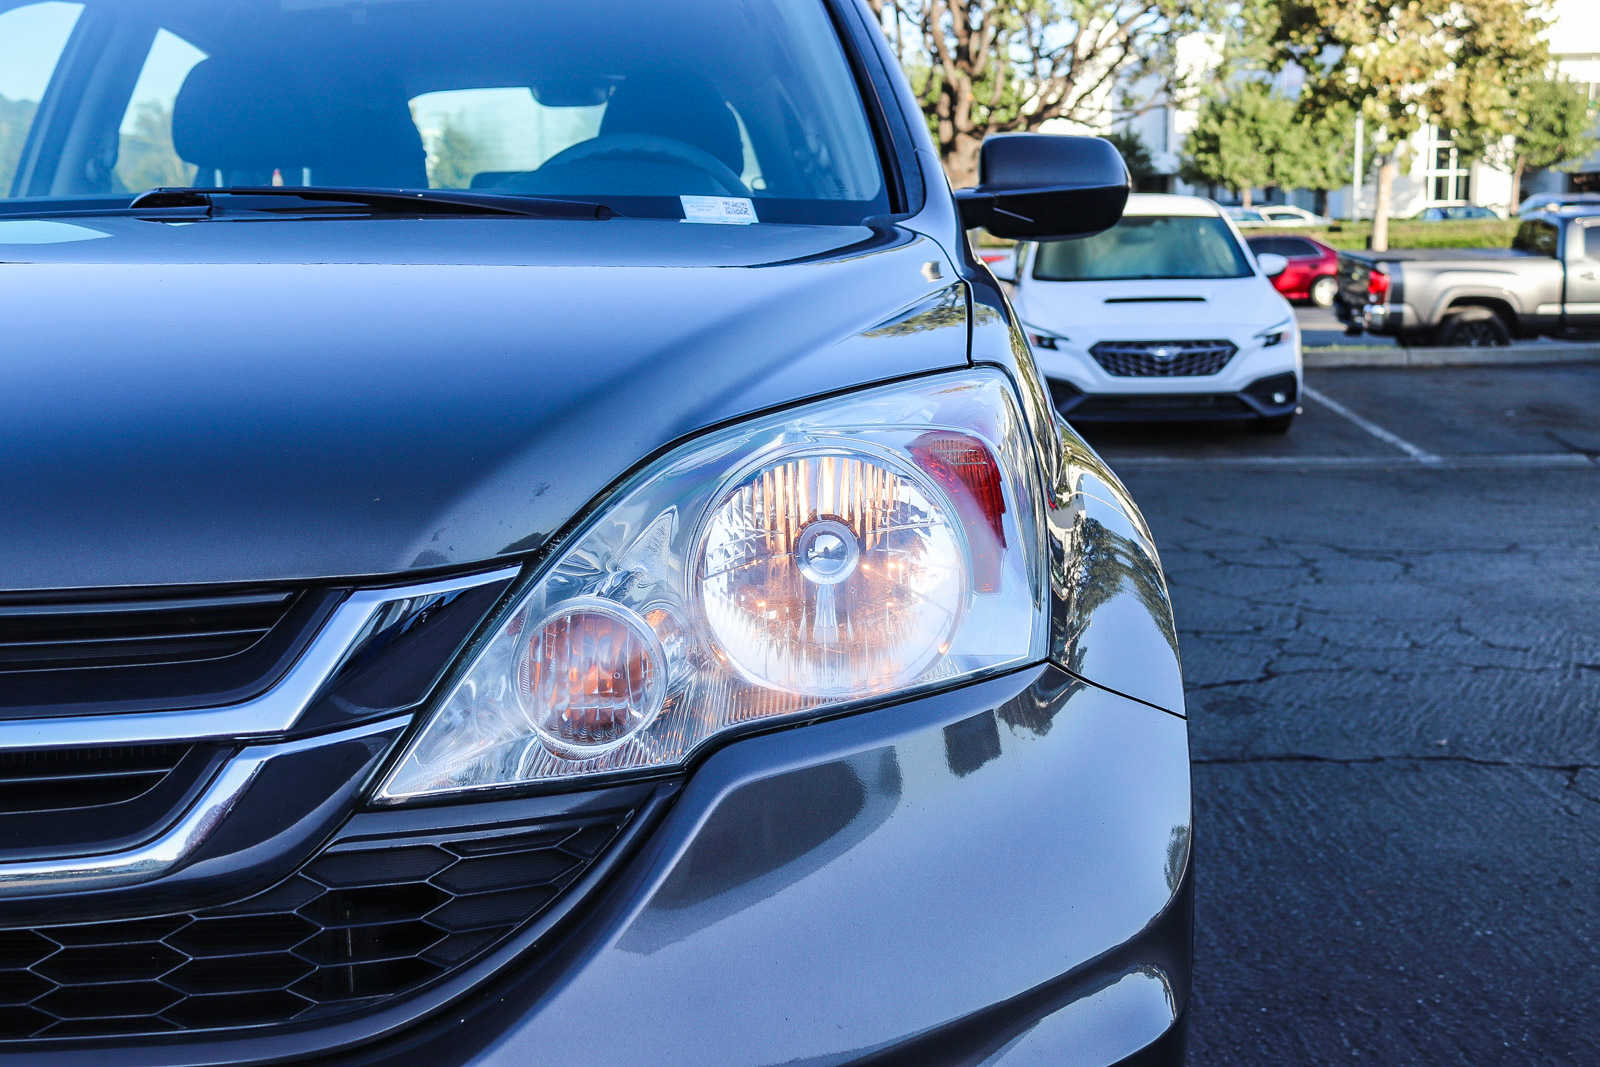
(638, 105)
(1146, 246)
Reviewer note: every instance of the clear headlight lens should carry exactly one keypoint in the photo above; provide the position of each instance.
(832, 573)
(1273, 336)
(871, 545)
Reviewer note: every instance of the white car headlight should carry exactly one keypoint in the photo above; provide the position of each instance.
(880, 543)
(1273, 336)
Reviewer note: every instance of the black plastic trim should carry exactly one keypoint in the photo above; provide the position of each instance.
(299, 1043)
(156, 687)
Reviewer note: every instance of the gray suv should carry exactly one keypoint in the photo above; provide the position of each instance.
(528, 537)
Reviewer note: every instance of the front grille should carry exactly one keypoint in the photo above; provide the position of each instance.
(77, 634)
(1163, 359)
(62, 780)
(80, 653)
(361, 922)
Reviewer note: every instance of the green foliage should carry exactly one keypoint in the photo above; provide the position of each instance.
(1465, 233)
(1323, 146)
(1552, 123)
(146, 158)
(16, 117)
(1244, 138)
(1451, 63)
(1353, 236)
(1141, 166)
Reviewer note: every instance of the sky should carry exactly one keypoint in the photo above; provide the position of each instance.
(32, 39)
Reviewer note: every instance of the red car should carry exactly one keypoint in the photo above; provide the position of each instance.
(1312, 267)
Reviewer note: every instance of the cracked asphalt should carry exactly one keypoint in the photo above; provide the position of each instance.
(1392, 650)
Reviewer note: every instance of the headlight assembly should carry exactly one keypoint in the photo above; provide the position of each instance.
(1274, 335)
(881, 543)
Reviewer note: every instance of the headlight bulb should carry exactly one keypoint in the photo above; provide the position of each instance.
(833, 572)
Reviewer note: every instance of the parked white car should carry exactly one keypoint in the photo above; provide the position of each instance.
(1168, 315)
(1276, 215)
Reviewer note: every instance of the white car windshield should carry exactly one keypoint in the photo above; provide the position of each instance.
(635, 104)
(1146, 246)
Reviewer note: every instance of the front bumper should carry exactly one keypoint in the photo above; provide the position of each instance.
(998, 873)
(1259, 399)
(1071, 363)
(1384, 319)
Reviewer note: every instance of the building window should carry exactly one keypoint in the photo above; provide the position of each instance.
(1449, 176)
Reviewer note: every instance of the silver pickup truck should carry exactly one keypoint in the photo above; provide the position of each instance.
(1546, 284)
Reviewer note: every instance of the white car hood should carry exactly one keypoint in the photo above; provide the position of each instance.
(1152, 310)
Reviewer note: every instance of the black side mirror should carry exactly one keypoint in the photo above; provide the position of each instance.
(1039, 187)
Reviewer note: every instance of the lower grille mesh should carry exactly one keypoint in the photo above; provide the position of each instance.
(358, 924)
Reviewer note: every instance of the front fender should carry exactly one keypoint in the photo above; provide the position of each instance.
(1112, 620)
(1111, 613)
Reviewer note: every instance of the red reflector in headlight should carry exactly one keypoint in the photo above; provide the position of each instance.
(1377, 284)
(963, 468)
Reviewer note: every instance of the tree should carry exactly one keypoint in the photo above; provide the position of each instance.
(146, 158)
(16, 118)
(1141, 166)
(1553, 123)
(1451, 63)
(1325, 149)
(1244, 138)
(982, 66)
(453, 158)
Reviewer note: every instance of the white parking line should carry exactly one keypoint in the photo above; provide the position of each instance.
(1421, 455)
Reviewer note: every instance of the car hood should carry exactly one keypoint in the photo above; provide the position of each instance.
(238, 401)
(1150, 310)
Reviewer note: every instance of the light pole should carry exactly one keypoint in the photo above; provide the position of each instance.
(1356, 176)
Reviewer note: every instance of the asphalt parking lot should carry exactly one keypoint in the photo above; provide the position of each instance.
(1391, 639)
(1319, 326)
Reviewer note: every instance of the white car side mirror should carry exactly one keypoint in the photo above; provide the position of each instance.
(1272, 264)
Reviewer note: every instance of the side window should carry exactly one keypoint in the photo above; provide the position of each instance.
(472, 132)
(32, 38)
(1537, 237)
(145, 156)
(1587, 238)
(1299, 246)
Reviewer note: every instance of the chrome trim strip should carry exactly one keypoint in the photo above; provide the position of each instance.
(155, 858)
(273, 712)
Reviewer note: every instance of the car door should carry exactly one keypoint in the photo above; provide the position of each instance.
(1581, 304)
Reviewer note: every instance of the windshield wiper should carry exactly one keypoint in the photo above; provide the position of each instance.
(236, 199)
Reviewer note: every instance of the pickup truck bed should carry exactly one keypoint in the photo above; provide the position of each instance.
(1548, 283)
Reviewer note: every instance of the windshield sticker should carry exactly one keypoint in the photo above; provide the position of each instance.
(724, 210)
